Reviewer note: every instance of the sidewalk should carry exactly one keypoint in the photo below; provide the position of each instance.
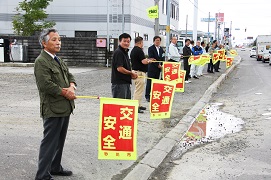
(21, 127)
(16, 64)
(152, 160)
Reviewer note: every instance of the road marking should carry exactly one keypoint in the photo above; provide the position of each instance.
(266, 114)
(258, 93)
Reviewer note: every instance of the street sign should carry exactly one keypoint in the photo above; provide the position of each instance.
(206, 19)
(226, 32)
(220, 17)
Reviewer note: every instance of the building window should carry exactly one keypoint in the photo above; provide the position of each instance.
(136, 34)
(146, 37)
(85, 33)
(163, 6)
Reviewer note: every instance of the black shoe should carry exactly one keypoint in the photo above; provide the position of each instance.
(217, 71)
(49, 178)
(142, 108)
(140, 111)
(195, 77)
(148, 100)
(62, 173)
(210, 71)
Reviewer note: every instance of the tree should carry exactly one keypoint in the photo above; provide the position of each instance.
(31, 17)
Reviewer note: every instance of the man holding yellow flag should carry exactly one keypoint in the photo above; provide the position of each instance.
(140, 67)
(211, 51)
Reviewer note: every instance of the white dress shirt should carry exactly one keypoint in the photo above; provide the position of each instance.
(173, 52)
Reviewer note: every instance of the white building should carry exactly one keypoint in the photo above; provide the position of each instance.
(86, 18)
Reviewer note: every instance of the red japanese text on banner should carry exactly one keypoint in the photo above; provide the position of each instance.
(221, 53)
(215, 58)
(118, 129)
(195, 60)
(162, 93)
(171, 71)
(229, 62)
(180, 82)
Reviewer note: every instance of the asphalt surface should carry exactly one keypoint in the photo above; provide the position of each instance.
(21, 127)
(244, 155)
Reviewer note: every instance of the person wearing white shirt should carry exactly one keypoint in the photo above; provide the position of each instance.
(173, 51)
(200, 69)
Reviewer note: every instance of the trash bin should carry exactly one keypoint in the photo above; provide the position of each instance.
(2, 45)
(17, 52)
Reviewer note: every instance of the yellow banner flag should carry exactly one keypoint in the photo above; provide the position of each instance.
(215, 58)
(233, 52)
(229, 62)
(153, 12)
(118, 129)
(205, 58)
(180, 82)
(222, 55)
(194, 60)
(171, 70)
(162, 93)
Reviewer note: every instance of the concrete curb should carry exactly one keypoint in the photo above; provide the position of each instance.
(144, 169)
(11, 64)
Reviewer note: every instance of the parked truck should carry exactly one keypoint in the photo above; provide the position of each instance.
(263, 43)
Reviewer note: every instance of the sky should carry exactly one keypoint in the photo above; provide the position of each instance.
(252, 15)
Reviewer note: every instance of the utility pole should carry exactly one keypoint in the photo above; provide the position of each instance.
(218, 33)
(107, 37)
(168, 27)
(122, 11)
(195, 28)
(156, 25)
(208, 36)
(215, 25)
(186, 27)
(230, 44)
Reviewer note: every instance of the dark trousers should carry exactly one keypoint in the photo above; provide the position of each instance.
(154, 75)
(216, 66)
(171, 60)
(52, 144)
(210, 66)
(122, 91)
(186, 67)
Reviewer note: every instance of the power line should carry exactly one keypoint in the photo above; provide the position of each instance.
(198, 8)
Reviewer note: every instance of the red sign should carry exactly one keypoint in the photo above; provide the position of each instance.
(221, 54)
(180, 82)
(171, 71)
(100, 42)
(220, 17)
(117, 129)
(161, 98)
(229, 62)
(215, 58)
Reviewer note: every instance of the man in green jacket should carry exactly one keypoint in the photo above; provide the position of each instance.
(56, 87)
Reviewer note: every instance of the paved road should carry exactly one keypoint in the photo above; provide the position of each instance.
(244, 155)
(21, 127)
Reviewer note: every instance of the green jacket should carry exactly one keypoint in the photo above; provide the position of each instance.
(51, 78)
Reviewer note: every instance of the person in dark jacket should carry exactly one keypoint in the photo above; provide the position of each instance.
(155, 52)
(122, 74)
(186, 54)
(56, 87)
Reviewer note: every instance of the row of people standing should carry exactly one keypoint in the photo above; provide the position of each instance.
(123, 71)
(140, 67)
(201, 48)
